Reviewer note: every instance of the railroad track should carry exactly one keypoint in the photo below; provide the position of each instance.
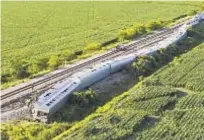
(41, 84)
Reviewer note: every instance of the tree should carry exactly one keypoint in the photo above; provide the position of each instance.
(144, 65)
(53, 62)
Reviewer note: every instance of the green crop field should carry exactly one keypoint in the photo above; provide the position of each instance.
(33, 31)
(167, 105)
(162, 106)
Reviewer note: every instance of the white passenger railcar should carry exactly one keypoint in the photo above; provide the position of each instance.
(196, 19)
(49, 102)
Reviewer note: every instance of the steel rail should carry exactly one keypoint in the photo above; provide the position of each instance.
(77, 67)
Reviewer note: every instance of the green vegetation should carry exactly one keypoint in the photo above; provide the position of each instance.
(43, 36)
(79, 105)
(139, 29)
(93, 46)
(135, 104)
(34, 131)
(167, 105)
(185, 73)
(53, 61)
(159, 107)
(131, 32)
(166, 108)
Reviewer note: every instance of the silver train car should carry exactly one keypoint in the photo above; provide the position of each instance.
(52, 100)
(196, 19)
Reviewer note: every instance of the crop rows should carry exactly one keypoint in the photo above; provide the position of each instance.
(112, 125)
(188, 126)
(152, 99)
(179, 111)
(143, 112)
(127, 115)
(186, 72)
(36, 31)
(191, 101)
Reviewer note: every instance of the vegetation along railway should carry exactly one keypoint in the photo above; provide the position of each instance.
(41, 84)
(129, 49)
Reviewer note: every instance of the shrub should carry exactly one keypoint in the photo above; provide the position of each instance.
(153, 25)
(53, 62)
(131, 32)
(38, 65)
(34, 68)
(83, 98)
(140, 28)
(127, 33)
(122, 35)
(67, 55)
(144, 65)
(93, 46)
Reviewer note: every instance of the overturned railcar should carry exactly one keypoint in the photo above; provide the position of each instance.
(50, 101)
(53, 99)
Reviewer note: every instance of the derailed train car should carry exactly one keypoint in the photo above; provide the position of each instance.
(196, 19)
(50, 101)
(53, 99)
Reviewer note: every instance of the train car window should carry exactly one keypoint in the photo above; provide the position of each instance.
(47, 94)
(64, 91)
